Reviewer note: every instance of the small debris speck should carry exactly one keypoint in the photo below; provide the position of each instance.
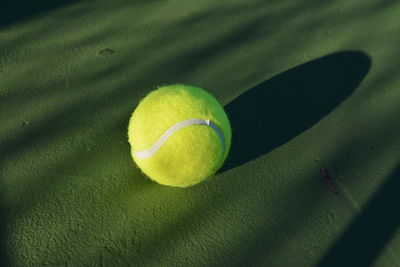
(105, 52)
(328, 180)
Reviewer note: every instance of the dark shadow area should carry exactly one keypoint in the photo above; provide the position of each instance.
(275, 111)
(3, 249)
(370, 231)
(387, 3)
(12, 11)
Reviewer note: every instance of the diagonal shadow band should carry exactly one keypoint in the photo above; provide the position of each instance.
(367, 235)
(3, 220)
(275, 111)
(13, 11)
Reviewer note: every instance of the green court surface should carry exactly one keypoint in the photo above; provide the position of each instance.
(306, 85)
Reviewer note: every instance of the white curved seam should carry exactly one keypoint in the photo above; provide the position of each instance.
(143, 154)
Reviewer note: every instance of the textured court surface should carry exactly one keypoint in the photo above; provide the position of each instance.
(306, 84)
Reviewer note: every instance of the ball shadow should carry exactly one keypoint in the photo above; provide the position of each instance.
(275, 111)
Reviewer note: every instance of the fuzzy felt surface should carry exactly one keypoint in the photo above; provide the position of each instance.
(189, 155)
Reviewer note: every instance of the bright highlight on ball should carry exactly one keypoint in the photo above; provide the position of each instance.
(179, 135)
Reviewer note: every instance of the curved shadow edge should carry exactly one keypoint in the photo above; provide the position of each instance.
(278, 109)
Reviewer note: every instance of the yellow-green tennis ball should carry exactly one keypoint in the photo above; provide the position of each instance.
(179, 135)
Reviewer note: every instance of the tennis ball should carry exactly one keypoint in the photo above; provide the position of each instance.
(179, 135)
